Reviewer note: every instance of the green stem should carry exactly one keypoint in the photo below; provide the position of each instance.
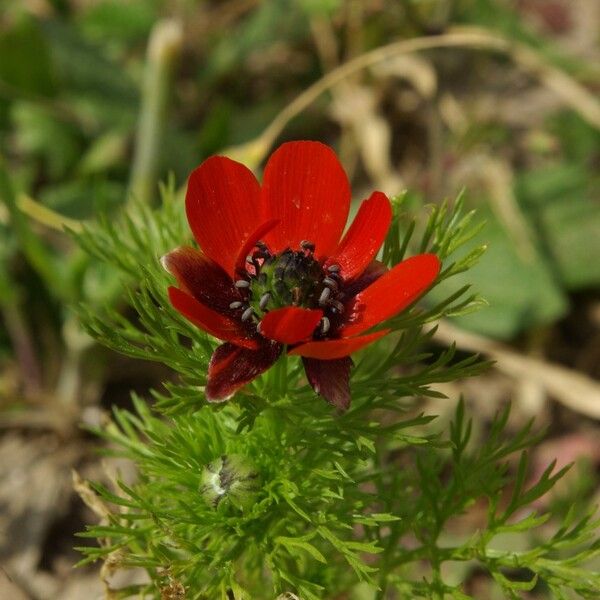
(37, 254)
(69, 382)
(281, 375)
(19, 333)
(163, 49)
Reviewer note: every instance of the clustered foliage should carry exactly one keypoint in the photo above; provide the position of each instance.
(363, 498)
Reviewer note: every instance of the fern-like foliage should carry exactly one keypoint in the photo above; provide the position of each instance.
(274, 493)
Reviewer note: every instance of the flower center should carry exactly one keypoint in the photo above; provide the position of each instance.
(290, 278)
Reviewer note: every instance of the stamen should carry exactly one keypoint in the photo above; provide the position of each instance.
(307, 245)
(249, 258)
(332, 283)
(164, 261)
(242, 283)
(247, 314)
(333, 268)
(264, 300)
(325, 325)
(337, 306)
(324, 296)
(235, 305)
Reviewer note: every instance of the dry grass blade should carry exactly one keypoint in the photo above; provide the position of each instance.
(574, 390)
(497, 177)
(8, 589)
(568, 89)
(89, 496)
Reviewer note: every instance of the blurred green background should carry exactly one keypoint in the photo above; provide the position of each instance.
(100, 100)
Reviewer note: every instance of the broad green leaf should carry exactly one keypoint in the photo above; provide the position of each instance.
(562, 201)
(521, 292)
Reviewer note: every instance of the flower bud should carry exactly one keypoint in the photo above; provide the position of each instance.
(230, 480)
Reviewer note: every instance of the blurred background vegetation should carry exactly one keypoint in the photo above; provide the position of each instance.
(102, 99)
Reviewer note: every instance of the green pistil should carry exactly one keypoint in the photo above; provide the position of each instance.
(290, 279)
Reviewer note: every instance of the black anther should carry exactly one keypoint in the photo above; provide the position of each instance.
(337, 306)
(264, 300)
(324, 296)
(307, 245)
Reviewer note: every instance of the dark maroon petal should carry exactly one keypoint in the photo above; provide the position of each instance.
(372, 273)
(232, 367)
(202, 278)
(330, 379)
(291, 324)
(220, 326)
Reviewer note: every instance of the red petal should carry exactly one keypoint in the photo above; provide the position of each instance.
(232, 367)
(218, 325)
(223, 208)
(305, 187)
(202, 278)
(364, 238)
(330, 349)
(250, 242)
(391, 293)
(330, 379)
(291, 324)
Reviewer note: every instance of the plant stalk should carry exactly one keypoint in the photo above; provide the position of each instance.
(164, 48)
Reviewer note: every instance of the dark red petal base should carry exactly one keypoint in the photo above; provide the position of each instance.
(218, 325)
(202, 278)
(232, 367)
(330, 379)
(371, 274)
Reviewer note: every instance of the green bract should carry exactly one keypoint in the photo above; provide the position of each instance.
(230, 480)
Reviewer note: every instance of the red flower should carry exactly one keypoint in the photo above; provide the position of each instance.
(273, 270)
